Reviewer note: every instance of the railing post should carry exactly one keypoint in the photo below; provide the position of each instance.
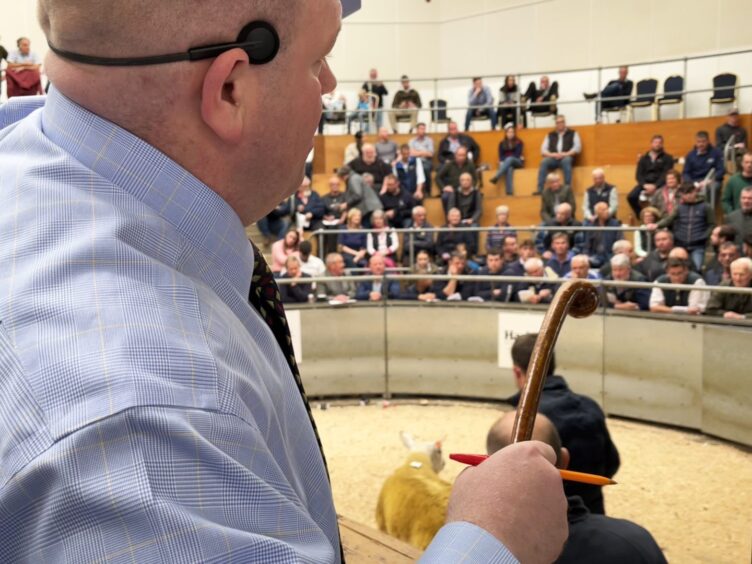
(384, 306)
(412, 248)
(518, 109)
(321, 244)
(683, 107)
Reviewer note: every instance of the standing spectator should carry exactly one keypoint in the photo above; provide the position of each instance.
(541, 98)
(651, 174)
(704, 167)
(562, 222)
(731, 138)
(309, 207)
(359, 195)
(555, 194)
(578, 419)
(339, 291)
(495, 239)
(526, 250)
(581, 269)
(599, 244)
(534, 292)
(510, 157)
(691, 223)
(422, 240)
(421, 147)
(298, 292)
(561, 257)
(741, 219)
(619, 297)
(352, 245)
(354, 149)
(643, 240)
(454, 289)
(666, 197)
(493, 291)
(453, 141)
(377, 290)
(310, 264)
(276, 223)
(734, 306)
(405, 104)
(382, 240)
(386, 149)
(422, 290)
(23, 71)
(615, 94)
(410, 172)
(448, 240)
(719, 271)
(692, 302)
(285, 248)
(600, 191)
(361, 114)
(732, 192)
(509, 97)
(559, 149)
(398, 203)
(448, 177)
(371, 164)
(374, 86)
(480, 101)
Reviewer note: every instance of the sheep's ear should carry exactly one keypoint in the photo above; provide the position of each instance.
(408, 440)
(440, 441)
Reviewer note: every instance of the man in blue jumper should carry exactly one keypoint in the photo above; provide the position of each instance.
(698, 165)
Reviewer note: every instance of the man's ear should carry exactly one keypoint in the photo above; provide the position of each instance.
(564, 459)
(221, 97)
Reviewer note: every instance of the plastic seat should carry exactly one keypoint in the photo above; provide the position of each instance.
(673, 93)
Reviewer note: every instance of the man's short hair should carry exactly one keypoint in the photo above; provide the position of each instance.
(581, 258)
(533, 263)
(727, 245)
(502, 209)
(687, 188)
(621, 245)
(344, 171)
(744, 261)
(390, 177)
(495, 252)
(675, 173)
(702, 135)
(331, 258)
(292, 259)
(418, 209)
(421, 124)
(728, 232)
(18, 41)
(544, 430)
(527, 244)
(599, 171)
(522, 353)
(559, 235)
(657, 136)
(305, 248)
(665, 231)
(747, 188)
(620, 261)
(404, 146)
(476, 78)
(457, 255)
(675, 262)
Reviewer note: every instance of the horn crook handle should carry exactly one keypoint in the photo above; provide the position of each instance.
(576, 298)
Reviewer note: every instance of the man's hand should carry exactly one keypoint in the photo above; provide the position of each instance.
(732, 315)
(375, 296)
(544, 294)
(448, 189)
(652, 226)
(627, 306)
(547, 255)
(389, 214)
(693, 310)
(517, 496)
(360, 256)
(649, 188)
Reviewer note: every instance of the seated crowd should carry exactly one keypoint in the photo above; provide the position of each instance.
(383, 186)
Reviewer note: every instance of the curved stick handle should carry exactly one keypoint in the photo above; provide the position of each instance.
(576, 298)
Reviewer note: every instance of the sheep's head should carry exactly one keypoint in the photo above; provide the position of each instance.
(430, 449)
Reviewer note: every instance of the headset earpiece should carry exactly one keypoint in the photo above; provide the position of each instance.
(263, 42)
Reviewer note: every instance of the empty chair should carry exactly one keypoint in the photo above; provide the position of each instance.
(439, 112)
(673, 93)
(645, 95)
(724, 90)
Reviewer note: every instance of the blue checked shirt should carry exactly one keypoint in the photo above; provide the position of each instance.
(147, 413)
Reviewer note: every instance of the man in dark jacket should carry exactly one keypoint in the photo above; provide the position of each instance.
(734, 306)
(599, 244)
(370, 163)
(654, 264)
(698, 165)
(377, 290)
(651, 174)
(592, 538)
(298, 291)
(614, 95)
(448, 240)
(493, 291)
(555, 194)
(625, 299)
(398, 203)
(741, 219)
(578, 419)
(453, 141)
(563, 222)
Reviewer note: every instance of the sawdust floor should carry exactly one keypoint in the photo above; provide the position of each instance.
(692, 492)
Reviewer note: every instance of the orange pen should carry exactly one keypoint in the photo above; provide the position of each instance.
(475, 459)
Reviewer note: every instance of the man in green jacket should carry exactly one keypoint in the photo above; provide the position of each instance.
(736, 184)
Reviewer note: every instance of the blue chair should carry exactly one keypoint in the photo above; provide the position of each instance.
(673, 93)
(645, 96)
(724, 90)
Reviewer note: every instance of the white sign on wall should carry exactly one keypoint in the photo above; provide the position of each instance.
(511, 325)
(296, 332)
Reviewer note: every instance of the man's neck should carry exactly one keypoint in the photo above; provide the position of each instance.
(562, 258)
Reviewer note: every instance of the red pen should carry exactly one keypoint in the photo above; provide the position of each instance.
(593, 479)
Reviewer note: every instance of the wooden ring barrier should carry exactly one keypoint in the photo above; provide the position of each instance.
(662, 369)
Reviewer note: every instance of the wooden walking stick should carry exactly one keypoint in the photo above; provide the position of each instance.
(576, 298)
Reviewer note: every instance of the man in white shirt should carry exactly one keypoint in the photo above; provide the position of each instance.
(692, 301)
(22, 58)
(310, 264)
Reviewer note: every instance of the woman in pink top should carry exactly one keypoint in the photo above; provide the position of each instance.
(283, 249)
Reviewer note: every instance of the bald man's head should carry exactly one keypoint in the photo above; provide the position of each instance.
(500, 436)
(227, 122)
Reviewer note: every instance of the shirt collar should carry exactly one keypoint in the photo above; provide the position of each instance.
(196, 211)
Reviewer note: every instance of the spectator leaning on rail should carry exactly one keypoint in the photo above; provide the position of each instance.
(578, 419)
(559, 149)
(422, 148)
(340, 290)
(691, 223)
(593, 539)
(581, 269)
(734, 306)
(409, 171)
(600, 191)
(455, 289)
(741, 219)
(562, 221)
(421, 290)
(453, 141)
(422, 240)
(561, 256)
(298, 292)
(555, 193)
(692, 302)
(481, 103)
(704, 167)
(598, 244)
(651, 175)
(732, 192)
(619, 297)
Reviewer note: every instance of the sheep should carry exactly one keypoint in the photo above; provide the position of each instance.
(413, 500)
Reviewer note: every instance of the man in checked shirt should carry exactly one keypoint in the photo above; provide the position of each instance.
(149, 412)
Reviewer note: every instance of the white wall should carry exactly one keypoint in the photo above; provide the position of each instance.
(460, 38)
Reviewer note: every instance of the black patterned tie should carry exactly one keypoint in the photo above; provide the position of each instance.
(265, 299)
